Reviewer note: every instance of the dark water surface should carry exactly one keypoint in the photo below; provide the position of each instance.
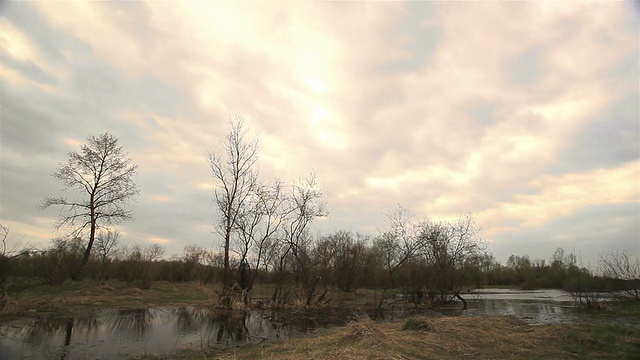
(118, 333)
(122, 333)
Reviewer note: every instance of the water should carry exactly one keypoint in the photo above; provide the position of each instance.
(538, 307)
(122, 333)
(118, 333)
(534, 307)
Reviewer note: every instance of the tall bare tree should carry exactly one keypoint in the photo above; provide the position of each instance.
(449, 247)
(257, 227)
(291, 252)
(397, 246)
(103, 176)
(306, 207)
(623, 265)
(235, 179)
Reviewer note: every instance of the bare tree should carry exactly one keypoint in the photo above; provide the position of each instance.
(106, 242)
(304, 205)
(339, 257)
(139, 264)
(235, 179)
(350, 262)
(450, 247)
(4, 265)
(257, 227)
(4, 233)
(8, 257)
(60, 261)
(193, 260)
(624, 266)
(104, 177)
(397, 246)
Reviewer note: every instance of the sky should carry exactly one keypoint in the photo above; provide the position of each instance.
(524, 114)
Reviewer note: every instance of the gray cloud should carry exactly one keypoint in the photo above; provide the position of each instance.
(417, 29)
(609, 139)
(526, 68)
(491, 114)
(50, 41)
(587, 233)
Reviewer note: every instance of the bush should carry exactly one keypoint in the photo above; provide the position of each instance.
(58, 263)
(139, 266)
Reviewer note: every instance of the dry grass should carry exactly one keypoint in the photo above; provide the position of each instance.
(363, 330)
(79, 296)
(451, 338)
(419, 323)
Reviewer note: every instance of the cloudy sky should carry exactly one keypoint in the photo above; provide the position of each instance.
(525, 114)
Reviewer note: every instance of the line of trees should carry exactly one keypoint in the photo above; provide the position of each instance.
(301, 268)
(425, 264)
(264, 227)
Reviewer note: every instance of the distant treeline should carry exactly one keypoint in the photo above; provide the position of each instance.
(342, 260)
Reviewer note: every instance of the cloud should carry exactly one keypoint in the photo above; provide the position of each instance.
(587, 232)
(607, 139)
(558, 196)
(418, 30)
(525, 69)
(511, 111)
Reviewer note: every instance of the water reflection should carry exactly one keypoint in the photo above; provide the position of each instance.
(116, 333)
(534, 313)
(537, 307)
(111, 333)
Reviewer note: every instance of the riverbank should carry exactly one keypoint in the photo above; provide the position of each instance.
(76, 297)
(442, 338)
(176, 320)
(73, 298)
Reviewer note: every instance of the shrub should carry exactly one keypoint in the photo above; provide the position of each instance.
(60, 261)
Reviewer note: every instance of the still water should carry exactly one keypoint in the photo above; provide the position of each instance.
(534, 307)
(122, 333)
(119, 333)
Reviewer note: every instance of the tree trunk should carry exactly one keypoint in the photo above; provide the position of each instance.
(3, 292)
(79, 275)
(68, 332)
(227, 281)
(381, 302)
(464, 302)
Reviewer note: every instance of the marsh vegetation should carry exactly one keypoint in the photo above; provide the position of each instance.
(80, 320)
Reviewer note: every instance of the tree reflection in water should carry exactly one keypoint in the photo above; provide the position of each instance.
(134, 321)
(220, 329)
(129, 332)
(44, 335)
(121, 333)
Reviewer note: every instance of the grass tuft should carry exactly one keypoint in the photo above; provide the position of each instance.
(363, 329)
(418, 323)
